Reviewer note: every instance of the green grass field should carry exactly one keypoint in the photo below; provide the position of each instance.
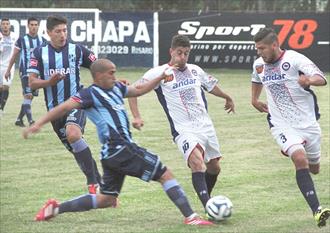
(255, 176)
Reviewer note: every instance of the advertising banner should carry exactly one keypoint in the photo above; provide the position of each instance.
(127, 38)
(225, 40)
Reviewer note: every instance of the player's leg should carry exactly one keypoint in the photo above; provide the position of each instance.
(107, 197)
(212, 157)
(83, 155)
(69, 130)
(26, 105)
(193, 153)
(212, 172)
(4, 96)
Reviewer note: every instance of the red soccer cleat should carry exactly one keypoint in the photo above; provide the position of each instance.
(47, 211)
(196, 220)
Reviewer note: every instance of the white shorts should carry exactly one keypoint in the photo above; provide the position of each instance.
(207, 140)
(4, 81)
(309, 137)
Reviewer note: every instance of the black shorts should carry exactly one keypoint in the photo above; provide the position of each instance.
(25, 87)
(134, 161)
(75, 116)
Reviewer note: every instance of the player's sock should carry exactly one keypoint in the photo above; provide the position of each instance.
(0, 96)
(5, 94)
(199, 183)
(84, 158)
(78, 204)
(27, 109)
(21, 113)
(210, 180)
(306, 186)
(177, 196)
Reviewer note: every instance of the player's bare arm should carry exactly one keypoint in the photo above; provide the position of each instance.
(137, 121)
(229, 105)
(141, 88)
(256, 91)
(11, 63)
(36, 83)
(315, 80)
(52, 115)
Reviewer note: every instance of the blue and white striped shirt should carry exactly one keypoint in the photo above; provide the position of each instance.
(26, 44)
(46, 61)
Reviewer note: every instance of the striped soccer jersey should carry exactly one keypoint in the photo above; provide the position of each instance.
(182, 97)
(289, 104)
(106, 109)
(46, 61)
(26, 45)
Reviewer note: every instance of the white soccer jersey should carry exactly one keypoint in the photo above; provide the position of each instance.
(7, 45)
(289, 104)
(182, 97)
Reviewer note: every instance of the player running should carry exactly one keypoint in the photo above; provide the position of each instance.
(292, 110)
(58, 66)
(25, 45)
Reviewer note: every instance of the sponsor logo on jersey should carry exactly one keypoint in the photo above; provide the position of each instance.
(184, 83)
(273, 77)
(259, 68)
(63, 71)
(286, 66)
(92, 57)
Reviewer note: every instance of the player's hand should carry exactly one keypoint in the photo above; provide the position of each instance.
(35, 128)
(303, 81)
(169, 71)
(229, 106)
(260, 106)
(55, 78)
(7, 75)
(124, 81)
(137, 123)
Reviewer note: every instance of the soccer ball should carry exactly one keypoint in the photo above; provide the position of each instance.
(219, 207)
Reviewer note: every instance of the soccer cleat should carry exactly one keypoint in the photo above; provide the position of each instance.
(196, 220)
(19, 123)
(93, 188)
(321, 216)
(47, 211)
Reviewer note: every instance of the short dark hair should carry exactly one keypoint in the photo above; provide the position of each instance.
(180, 41)
(5, 19)
(268, 35)
(54, 20)
(30, 19)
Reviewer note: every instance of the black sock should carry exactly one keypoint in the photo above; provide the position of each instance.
(5, 94)
(178, 197)
(81, 203)
(27, 109)
(21, 113)
(0, 96)
(199, 183)
(86, 163)
(306, 186)
(210, 180)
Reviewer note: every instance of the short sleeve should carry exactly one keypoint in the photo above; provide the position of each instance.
(35, 64)
(122, 87)
(88, 57)
(306, 66)
(257, 68)
(84, 98)
(208, 81)
(18, 43)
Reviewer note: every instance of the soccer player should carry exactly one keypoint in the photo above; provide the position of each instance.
(7, 42)
(58, 66)
(25, 45)
(292, 109)
(182, 97)
(120, 156)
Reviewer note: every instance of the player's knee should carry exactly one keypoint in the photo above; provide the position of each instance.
(167, 175)
(314, 168)
(213, 166)
(73, 133)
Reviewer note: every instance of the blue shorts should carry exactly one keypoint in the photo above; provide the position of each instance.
(134, 161)
(75, 116)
